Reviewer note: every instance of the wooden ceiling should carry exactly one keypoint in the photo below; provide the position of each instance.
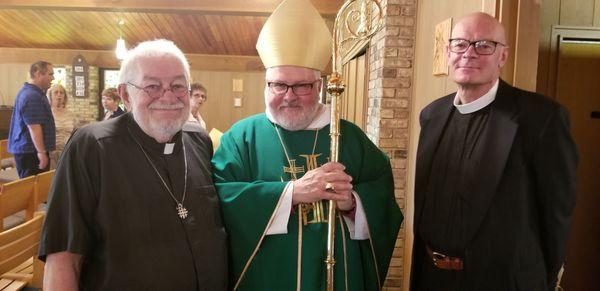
(215, 27)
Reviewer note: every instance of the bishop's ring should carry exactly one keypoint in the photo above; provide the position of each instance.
(329, 187)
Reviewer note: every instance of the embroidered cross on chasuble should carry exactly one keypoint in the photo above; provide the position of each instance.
(315, 212)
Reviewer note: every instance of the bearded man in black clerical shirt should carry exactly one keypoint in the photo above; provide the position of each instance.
(125, 212)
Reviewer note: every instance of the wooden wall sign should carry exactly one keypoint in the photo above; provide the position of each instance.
(80, 75)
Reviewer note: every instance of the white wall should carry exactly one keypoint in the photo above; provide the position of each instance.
(12, 77)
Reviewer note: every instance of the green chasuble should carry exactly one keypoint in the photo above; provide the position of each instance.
(251, 172)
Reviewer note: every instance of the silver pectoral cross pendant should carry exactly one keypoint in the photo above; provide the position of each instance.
(181, 211)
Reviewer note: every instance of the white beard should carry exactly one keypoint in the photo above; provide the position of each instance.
(161, 130)
(299, 122)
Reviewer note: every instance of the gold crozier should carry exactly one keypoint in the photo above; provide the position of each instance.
(315, 210)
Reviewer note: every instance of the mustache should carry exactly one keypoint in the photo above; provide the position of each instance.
(178, 105)
(289, 104)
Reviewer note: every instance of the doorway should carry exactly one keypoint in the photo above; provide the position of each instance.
(578, 89)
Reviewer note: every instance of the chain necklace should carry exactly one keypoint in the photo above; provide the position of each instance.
(181, 210)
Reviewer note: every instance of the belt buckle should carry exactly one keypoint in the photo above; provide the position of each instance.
(437, 256)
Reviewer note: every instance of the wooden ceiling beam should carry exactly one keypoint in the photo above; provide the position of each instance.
(328, 8)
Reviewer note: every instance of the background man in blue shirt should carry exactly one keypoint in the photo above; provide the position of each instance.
(32, 131)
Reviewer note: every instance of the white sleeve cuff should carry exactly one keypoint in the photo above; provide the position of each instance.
(358, 228)
(282, 214)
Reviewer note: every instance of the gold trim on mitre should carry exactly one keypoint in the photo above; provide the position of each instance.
(295, 35)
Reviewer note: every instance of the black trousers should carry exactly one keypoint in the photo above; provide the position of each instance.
(28, 164)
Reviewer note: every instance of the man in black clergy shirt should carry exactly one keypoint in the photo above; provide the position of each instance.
(495, 176)
(125, 212)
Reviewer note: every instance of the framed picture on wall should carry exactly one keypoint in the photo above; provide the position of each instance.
(442, 35)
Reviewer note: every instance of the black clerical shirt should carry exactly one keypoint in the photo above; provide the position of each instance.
(443, 225)
(108, 204)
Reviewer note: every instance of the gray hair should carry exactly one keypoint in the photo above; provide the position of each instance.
(153, 48)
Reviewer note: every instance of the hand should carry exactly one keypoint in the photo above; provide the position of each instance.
(346, 204)
(43, 158)
(311, 187)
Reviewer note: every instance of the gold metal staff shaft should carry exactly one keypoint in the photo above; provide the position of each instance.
(347, 37)
(335, 89)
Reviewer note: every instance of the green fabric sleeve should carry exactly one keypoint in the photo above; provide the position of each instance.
(375, 187)
(247, 205)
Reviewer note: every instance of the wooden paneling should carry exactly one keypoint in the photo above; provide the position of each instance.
(199, 27)
(583, 13)
(596, 21)
(95, 30)
(218, 111)
(265, 7)
(577, 12)
(508, 15)
(550, 15)
(526, 44)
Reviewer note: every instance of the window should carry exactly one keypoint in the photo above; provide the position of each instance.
(111, 78)
(60, 76)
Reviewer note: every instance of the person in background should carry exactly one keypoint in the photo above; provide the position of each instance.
(495, 176)
(274, 178)
(110, 102)
(197, 98)
(32, 132)
(133, 206)
(65, 120)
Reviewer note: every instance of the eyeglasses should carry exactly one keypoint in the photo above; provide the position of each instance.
(202, 95)
(482, 47)
(157, 91)
(298, 89)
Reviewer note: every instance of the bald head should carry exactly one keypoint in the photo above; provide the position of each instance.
(480, 24)
(476, 54)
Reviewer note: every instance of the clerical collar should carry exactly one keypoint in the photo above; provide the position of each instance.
(150, 143)
(479, 103)
(322, 119)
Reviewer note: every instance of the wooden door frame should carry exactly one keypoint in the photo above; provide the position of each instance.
(560, 33)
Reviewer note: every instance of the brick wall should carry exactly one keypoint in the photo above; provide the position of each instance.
(391, 59)
(86, 109)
